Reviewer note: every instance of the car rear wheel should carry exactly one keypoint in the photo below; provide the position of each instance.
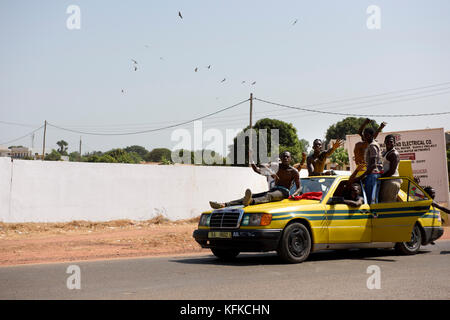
(413, 246)
(225, 254)
(295, 244)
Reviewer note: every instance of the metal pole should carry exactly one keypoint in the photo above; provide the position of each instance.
(43, 147)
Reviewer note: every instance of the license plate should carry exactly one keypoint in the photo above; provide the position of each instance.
(219, 234)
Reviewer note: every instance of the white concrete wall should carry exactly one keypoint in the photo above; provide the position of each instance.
(48, 191)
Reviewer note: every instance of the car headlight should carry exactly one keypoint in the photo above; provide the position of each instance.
(256, 219)
(204, 219)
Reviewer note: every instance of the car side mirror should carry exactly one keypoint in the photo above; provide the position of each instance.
(334, 200)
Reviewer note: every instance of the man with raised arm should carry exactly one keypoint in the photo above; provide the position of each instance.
(361, 146)
(374, 165)
(316, 161)
(284, 179)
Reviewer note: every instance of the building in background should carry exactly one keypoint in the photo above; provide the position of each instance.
(5, 152)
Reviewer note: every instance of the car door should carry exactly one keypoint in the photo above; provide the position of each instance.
(394, 221)
(348, 224)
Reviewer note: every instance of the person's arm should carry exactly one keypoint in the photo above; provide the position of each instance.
(255, 168)
(382, 125)
(352, 203)
(444, 209)
(394, 160)
(338, 143)
(309, 165)
(365, 123)
(297, 182)
(300, 165)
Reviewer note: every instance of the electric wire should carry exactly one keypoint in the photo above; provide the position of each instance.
(150, 130)
(24, 136)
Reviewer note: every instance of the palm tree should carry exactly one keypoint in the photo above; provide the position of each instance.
(62, 147)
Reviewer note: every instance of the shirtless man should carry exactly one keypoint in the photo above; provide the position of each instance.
(284, 179)
(360, 147)
(316, 161)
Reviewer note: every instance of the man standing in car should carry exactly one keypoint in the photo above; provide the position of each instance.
(374, 165)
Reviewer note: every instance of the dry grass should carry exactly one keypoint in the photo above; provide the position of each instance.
(82, 225)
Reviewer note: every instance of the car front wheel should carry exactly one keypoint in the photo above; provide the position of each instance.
(412, 246)
(295, 244)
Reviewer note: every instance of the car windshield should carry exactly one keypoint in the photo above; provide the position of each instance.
(319, 184)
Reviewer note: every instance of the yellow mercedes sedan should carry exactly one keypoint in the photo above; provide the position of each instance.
(295, 228)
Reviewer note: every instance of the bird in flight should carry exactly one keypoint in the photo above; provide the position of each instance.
(223, 80)
(295, 21)
(195, 69)
(135, 68)
(209, 67)
(123, 91)
(134, 61)
(179, 14)
(243, 81)
(253, 82)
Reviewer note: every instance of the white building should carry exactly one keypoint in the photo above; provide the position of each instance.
(5, 152)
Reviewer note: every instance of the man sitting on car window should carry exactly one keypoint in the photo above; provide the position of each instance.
(352, 197)
(284, 179)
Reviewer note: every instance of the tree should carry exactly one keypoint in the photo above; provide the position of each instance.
(157, 154)
(349, 125)
(62, 147)
(141, 151)
(53, 156)
(288, 140)
(340, 156)
(122, 156)
(74, 156)
(304, 145)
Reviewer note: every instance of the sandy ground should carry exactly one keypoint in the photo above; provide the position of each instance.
(27, 243)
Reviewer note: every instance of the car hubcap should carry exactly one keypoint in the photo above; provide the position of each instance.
(297, 242)
(415, 239)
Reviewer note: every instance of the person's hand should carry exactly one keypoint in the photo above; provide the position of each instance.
(338, 143)
(383, 124)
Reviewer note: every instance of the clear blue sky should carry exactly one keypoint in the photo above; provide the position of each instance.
(74, 78)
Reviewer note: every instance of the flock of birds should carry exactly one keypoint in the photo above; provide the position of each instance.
(135, 63)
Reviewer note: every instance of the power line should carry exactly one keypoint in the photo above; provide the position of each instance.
(151, 130)
(363, 115)
(14, 140)
(131, 126)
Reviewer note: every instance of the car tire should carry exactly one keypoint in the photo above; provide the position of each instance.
(225, 254)
(295, 244)
(413, 246)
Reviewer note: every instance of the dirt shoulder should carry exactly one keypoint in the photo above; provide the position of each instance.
(29, 243)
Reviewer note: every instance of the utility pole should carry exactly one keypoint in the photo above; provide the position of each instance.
(80, 148)
(43, 147)
(250, 138)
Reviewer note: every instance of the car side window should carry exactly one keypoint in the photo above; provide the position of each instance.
(414, 193)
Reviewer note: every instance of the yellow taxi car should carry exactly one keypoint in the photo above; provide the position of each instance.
(295, 228)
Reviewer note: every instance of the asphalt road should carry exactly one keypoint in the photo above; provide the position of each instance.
(325, 275)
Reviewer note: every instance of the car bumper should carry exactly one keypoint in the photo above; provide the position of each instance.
(432, 233)
(242, 240)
